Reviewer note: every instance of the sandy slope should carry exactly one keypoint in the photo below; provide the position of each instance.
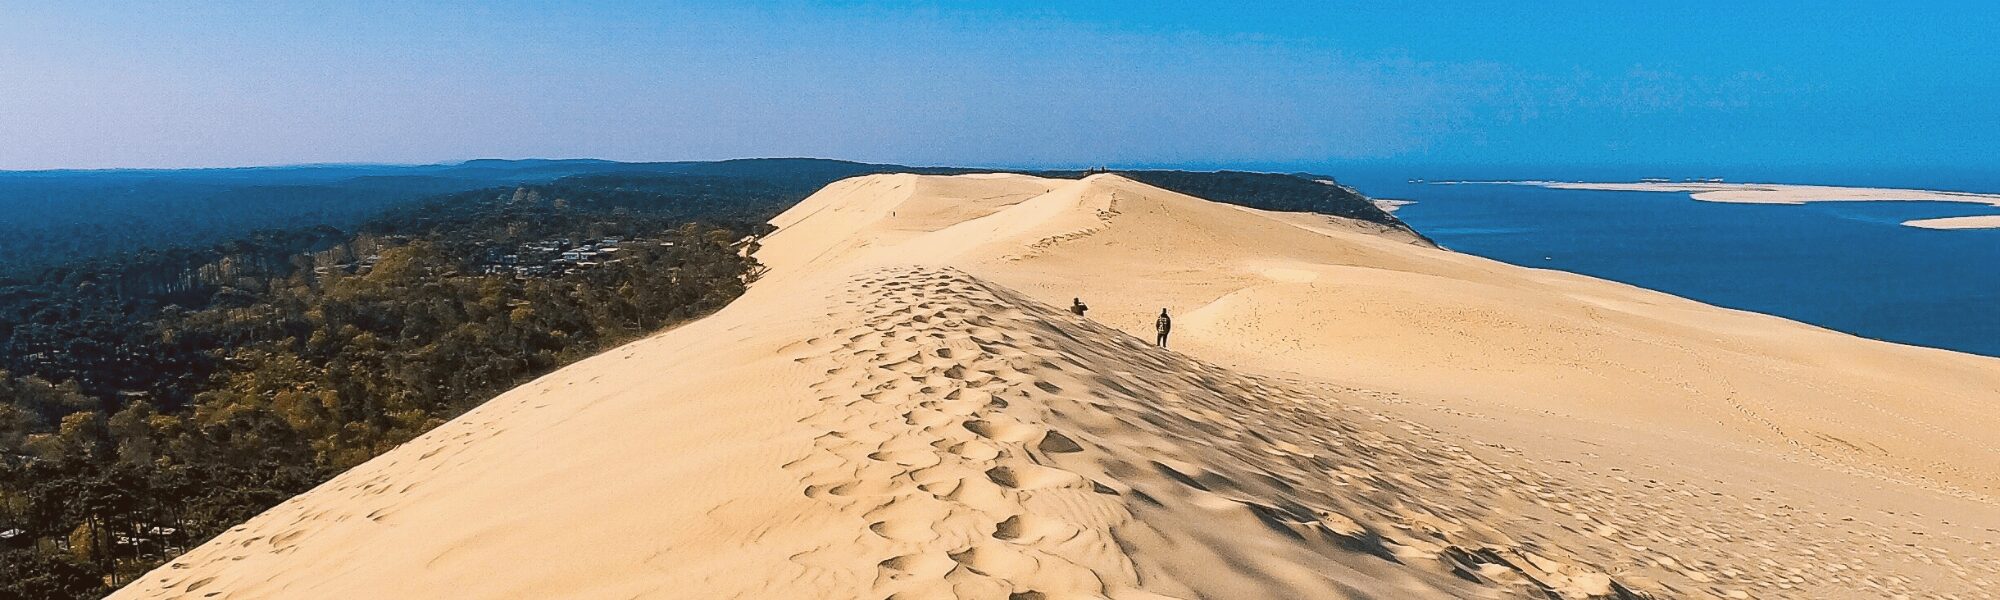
(899, 410)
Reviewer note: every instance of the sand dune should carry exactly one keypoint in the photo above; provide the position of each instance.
(898, 410)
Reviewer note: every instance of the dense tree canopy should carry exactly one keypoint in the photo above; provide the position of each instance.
(156, 400)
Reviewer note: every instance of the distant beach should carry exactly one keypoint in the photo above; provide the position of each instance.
(1868, 268)
(1973, 222)
(1783, 193)
(1390, 204)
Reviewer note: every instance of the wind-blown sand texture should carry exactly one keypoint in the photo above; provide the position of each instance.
(900, 410)
(1780, 193)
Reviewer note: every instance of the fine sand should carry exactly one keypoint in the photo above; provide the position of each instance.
(1972, 222)
(901, 408)
(1783, 193)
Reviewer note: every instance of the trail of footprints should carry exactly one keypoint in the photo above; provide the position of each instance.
(988, 459)
(982, 457)
(956, 488)
(941, 439)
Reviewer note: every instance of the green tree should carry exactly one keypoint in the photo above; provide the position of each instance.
(28, 575)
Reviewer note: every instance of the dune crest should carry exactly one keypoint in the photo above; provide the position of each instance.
(899, 410)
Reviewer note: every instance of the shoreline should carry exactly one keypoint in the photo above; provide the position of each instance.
(1389, 205)
(1786, 193)
(1968, 222)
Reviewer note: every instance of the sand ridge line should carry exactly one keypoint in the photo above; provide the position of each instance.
(953, 444)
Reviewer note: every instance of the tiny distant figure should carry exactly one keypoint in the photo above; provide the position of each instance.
(1076, 306)
(1164, 324)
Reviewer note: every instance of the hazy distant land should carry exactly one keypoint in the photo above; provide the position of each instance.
(1784, 193)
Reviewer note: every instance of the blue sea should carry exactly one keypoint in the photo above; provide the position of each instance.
(1848, 266)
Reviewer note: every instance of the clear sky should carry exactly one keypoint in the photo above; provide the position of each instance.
(85, 85)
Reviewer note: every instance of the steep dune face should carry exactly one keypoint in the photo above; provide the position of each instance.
(898, 410)
(854, 215)
(1271, 293)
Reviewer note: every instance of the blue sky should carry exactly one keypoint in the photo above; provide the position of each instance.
(86, 85)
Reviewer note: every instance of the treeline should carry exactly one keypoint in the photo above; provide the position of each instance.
(87, 322)
(109, 215)
(165, 397)
(54, 218)
(1302, 192)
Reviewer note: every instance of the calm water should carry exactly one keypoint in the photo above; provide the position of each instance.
(1844, 266)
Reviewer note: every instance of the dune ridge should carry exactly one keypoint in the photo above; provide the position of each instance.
(898, 410)
(1064, 473)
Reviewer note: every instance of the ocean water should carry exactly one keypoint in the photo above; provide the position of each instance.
(1848, 266)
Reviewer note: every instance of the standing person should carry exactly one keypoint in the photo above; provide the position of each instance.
(1076, 306)
(1163, 325)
